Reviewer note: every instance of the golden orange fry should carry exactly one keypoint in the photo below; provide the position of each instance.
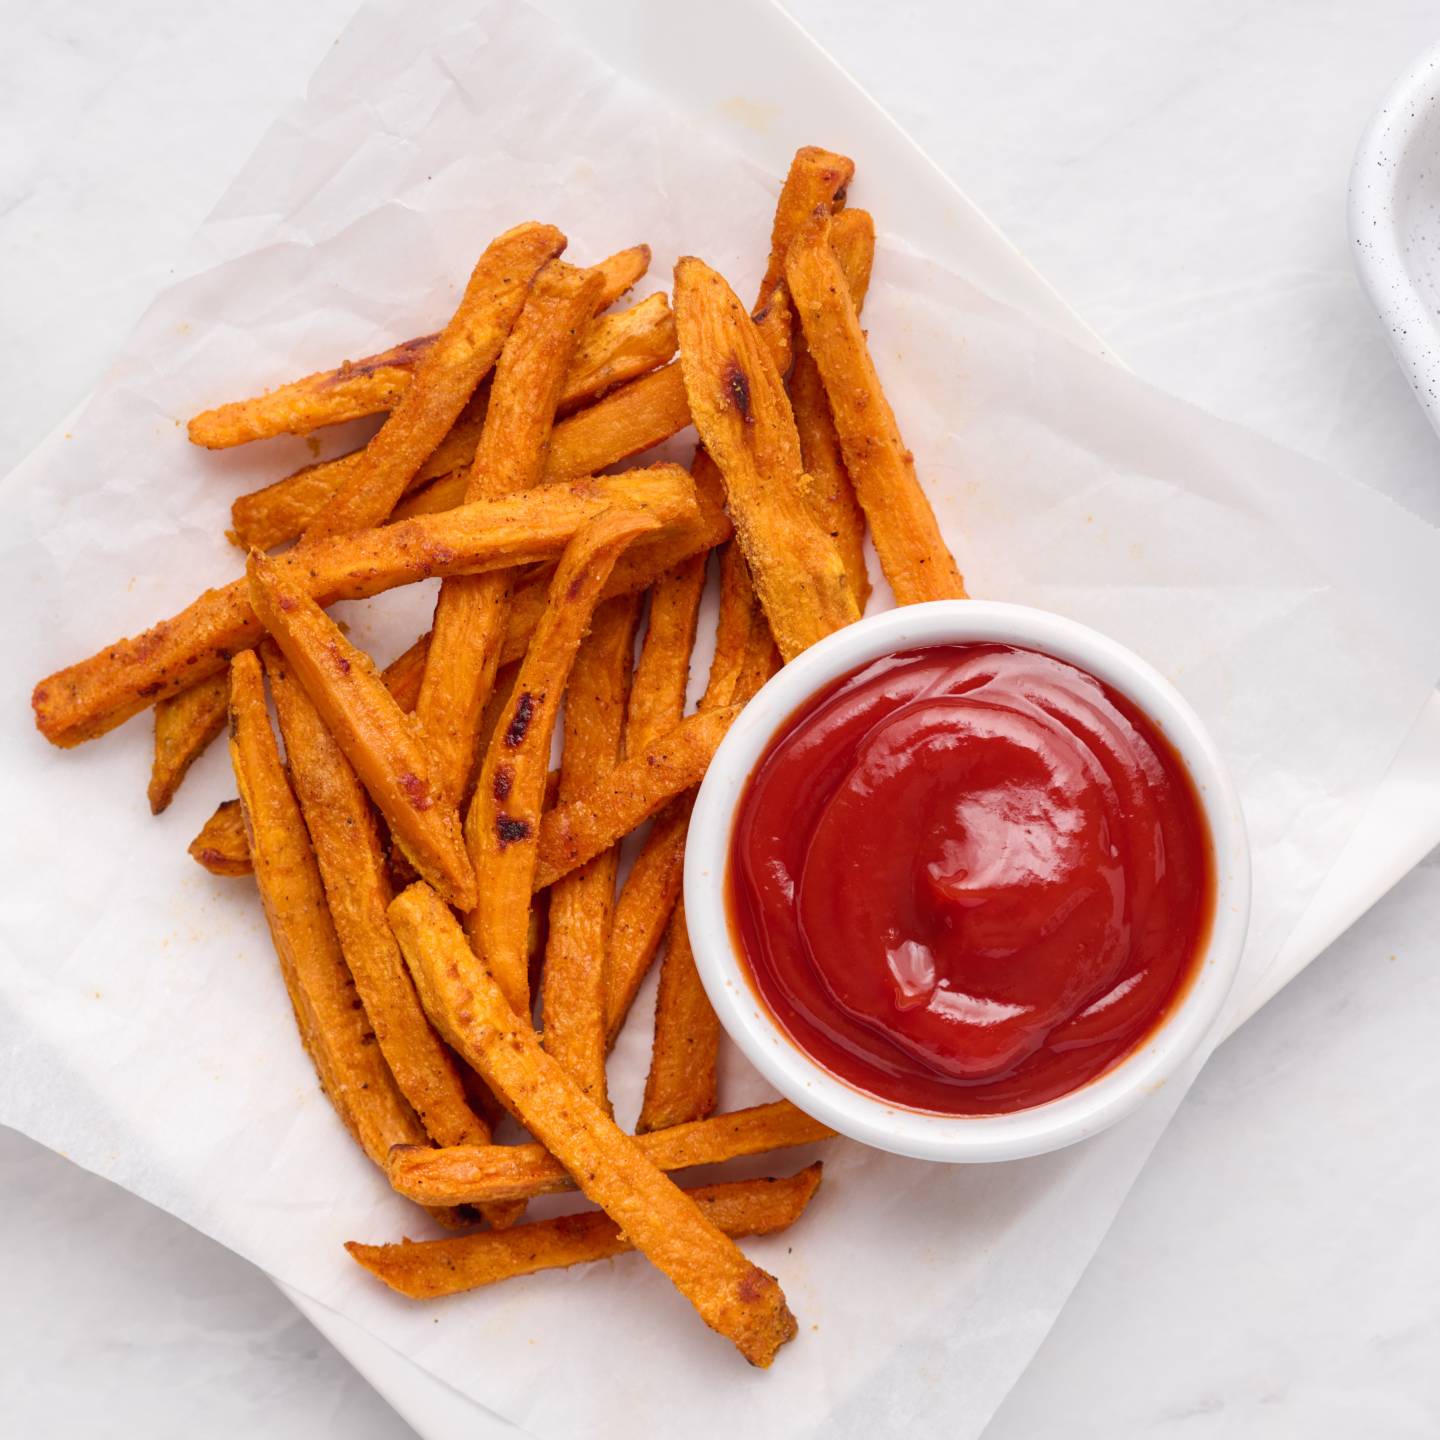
(384, 744)
(502, 824)
(744, 418)
(572, 995)
(88, 699)
(277, 513)
(642, 911)
(829, 492)
(470, 612)
(426, 1269)
(402, 675)
(609, 808)
(472, 1175)
(185, 724)
(221, 846)
(347, 848)
(333, 1025)
(817, 178)
(734, 1297)
(657, 695)
(682, 1085)
(444, 381)
(364, 387)
(639, 567)
(912, 551)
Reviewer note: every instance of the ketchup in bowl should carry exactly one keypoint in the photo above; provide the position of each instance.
(970, 878)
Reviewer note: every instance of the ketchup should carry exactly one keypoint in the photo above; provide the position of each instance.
(970, 878)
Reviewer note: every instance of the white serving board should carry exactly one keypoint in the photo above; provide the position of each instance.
(793, 92)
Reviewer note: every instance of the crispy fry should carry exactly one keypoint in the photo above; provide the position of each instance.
(221, 846)
(358, 388)
(185, 724)
(347, 848)
(621, 272)
(92, 697)
(744, 418)
(383, 743)
(762, 660)
(682, 1084)
(642, 911)
(657, 696)
(817, 178)
(402, 674)
(426, 1269)
(333, 1025)
(734, 1297)
(653, 885)
(473, 1175)
(829, 492)
(445, 379)
(611, 807)
(353, 389)
(277, 513)
(912, 551)
(629, 419)
(470, 613)
(738, 615)
(620, 347)
(640, 566)
(572, 997)
(632, 417)
(501, 827)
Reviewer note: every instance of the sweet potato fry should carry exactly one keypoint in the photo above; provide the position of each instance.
(444, 381)
(682, 1083)
(367, 387)
(402, 674)
(470, 613)
(621, 272)
(616, 348)
(501, 827)
(333, 1025)
(738, 615)
(279, 512)
(610, 807)
(427, 1269)
(347, 848)
(473, 1175)
(640, 566)
(829, 492)
(734, 1297)
(657, 695)
(653, 885)
(912, 550)
(629, 419)
(572, 996)
(221, 846)
(92, 697)
(642, 911)
(817, 178)
(744, 418)
(383, 743)
(184, 725)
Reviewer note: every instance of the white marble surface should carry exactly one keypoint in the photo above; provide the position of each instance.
(1179, 173)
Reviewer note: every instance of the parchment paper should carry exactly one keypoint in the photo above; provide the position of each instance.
(144, 1031)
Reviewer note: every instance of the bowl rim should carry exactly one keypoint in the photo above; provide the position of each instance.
(871, 1119)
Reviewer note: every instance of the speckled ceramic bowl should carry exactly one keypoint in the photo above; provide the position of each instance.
(1394, 215)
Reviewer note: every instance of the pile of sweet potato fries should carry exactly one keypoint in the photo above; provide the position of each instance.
(412, 843)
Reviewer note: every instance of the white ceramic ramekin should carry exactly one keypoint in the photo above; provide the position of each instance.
(866, 1117)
